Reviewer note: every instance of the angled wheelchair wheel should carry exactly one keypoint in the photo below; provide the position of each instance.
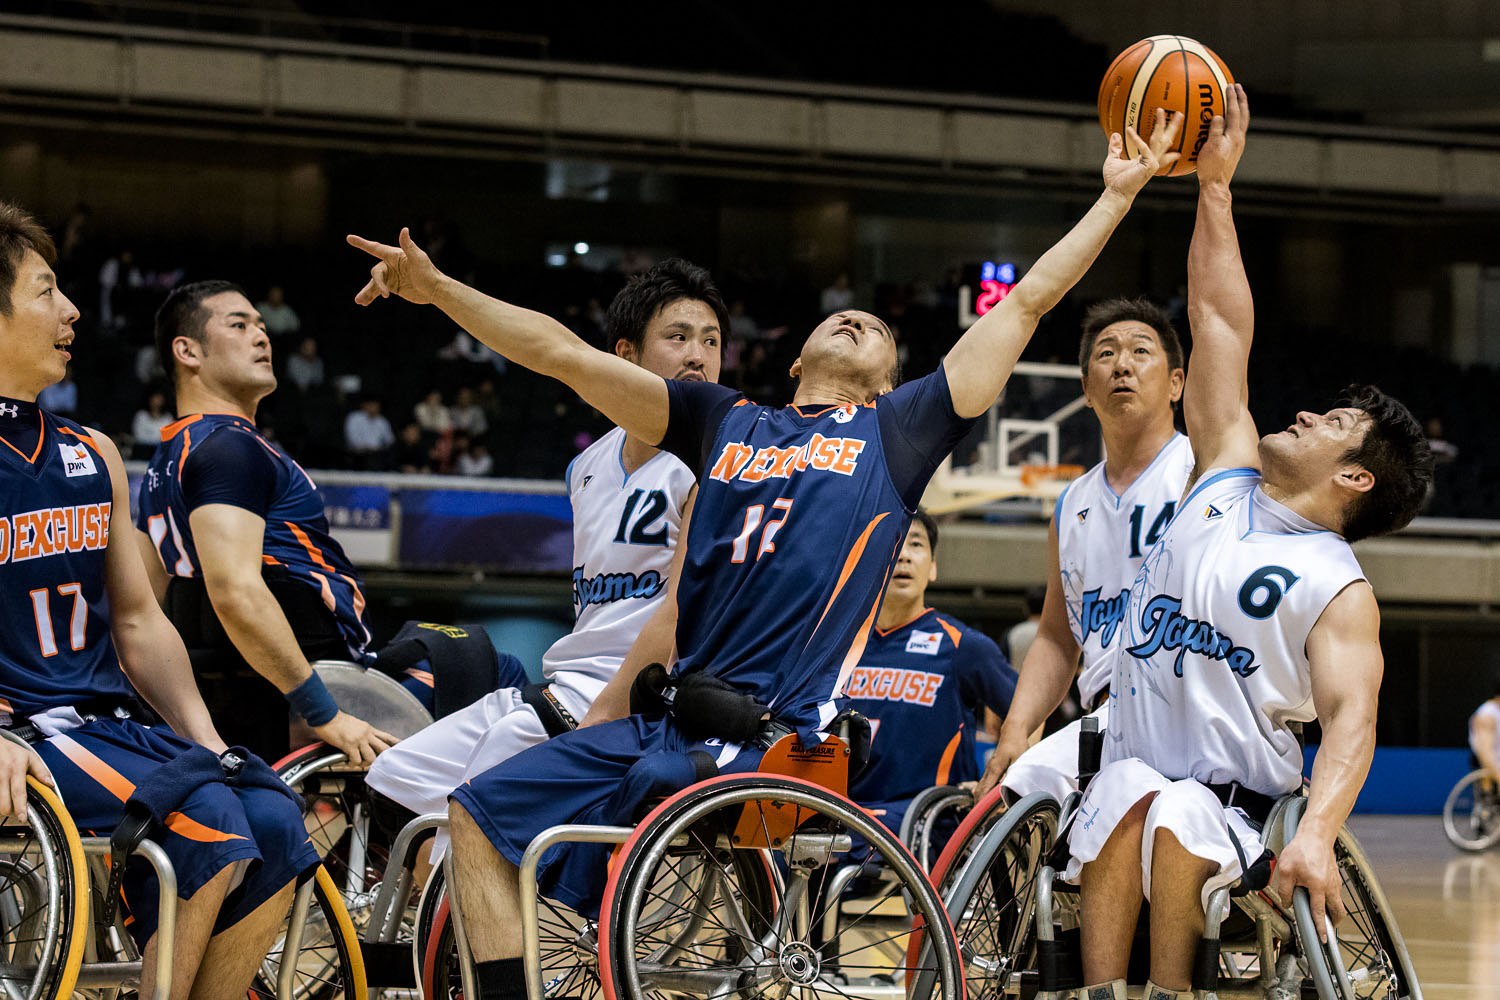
(44, 899)
(327, 963)
(1471, 815)
(992, 898)
(931, 819)
(568, 948)
(336, 812)
(978, 821)
(723, 891)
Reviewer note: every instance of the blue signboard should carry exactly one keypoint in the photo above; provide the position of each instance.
(511, 532)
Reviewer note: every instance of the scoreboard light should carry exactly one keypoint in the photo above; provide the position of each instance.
(995, 283)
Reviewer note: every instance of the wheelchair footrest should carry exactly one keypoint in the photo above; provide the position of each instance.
(388, 964)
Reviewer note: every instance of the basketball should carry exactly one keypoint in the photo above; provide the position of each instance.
(1164, 71)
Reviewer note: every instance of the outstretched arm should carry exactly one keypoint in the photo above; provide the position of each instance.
(1220, 309)
(1343, 652)
(625, 393)
(982, 360)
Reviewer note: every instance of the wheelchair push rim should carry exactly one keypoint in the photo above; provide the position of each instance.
(730, 936)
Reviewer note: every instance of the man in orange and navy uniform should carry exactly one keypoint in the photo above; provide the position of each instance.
(88, 661)
(237, 543)
(923, 682)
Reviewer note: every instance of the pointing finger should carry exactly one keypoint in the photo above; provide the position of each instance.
(370, 247)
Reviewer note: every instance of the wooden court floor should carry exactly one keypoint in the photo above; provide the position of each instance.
(1447, 903)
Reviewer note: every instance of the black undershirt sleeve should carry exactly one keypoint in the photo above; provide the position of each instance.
(230, 467)
(918, 428)
(695, 411)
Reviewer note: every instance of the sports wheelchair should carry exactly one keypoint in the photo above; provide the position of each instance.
(1011, 916)
(731, 887)
(55, 943)
(1471, 813)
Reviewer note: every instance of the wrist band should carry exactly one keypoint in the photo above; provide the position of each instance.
(311, 700)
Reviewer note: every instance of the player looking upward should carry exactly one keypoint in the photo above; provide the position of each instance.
(1250, 614)
(84, 637)
(799, 515)
(631, 502)
(228, 516)
(1104, 522)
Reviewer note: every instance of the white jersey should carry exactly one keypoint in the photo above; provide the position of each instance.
(1101, 537)
(1489, 710)
(624, 533)
(1211, 668)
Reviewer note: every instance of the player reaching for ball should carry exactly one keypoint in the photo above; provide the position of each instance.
(799, 514)
(1249, 614)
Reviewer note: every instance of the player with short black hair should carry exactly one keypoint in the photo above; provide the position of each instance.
(235, 537)
(799, 513)
(1104, 314)
(924, 681)
(1250, 614)
(1102, 526)
(85, 642)
(631, 503)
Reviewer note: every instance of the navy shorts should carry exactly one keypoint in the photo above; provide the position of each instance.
(603, 774)
(98, 765)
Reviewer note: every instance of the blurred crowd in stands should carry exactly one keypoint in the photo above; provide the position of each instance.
(401, 389)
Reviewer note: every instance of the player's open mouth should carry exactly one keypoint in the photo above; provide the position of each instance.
(1117, 390)
(62, 347)
(849, 332)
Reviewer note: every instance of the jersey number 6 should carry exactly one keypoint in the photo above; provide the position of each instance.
(1271, 581)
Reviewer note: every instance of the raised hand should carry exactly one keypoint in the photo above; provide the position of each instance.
(405, 271)
(1226, 139)
(1128, 176)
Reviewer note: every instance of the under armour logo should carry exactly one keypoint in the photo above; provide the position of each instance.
(9, 410)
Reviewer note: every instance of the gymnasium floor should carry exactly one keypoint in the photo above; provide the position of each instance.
(1447, 902)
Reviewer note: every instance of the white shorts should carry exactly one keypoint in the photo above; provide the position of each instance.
(1193, 814)
(422, 770)
(1051, 765)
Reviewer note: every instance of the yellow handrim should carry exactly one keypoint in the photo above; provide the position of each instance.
(356, 986)
(80, 901)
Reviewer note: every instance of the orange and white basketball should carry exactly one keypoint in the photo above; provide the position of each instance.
(1164, 71)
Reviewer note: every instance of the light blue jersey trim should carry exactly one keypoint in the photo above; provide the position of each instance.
(1241, 471)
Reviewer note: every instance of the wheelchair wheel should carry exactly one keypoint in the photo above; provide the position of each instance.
(336, 812)
(328, 962)
(930, 820)
(43, 899)
(1471, 816)
(993, 898)
(694, 906)
(568, 948)
(1372, 951)
(960, 847)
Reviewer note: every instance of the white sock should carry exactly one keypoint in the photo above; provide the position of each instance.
(1112, 990)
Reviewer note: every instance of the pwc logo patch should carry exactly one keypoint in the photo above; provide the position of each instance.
(76, 460)
(924, 642)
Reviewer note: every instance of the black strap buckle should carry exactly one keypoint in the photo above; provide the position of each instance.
(555, 718)
(134, 826)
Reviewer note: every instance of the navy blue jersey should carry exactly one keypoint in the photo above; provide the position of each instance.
(210, 458)
(56, 503)
(799, 516)
(923, 685)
